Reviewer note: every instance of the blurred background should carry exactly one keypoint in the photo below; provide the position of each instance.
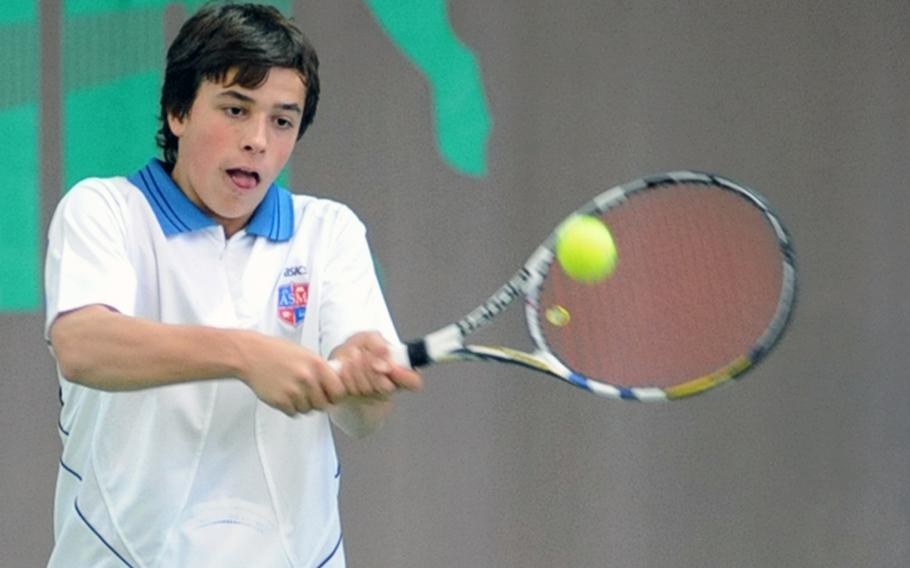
(461, 132)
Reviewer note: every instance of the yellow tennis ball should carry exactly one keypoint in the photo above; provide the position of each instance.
(558, 316)
(585, 249)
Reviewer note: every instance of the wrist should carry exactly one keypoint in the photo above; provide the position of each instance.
(239, 352)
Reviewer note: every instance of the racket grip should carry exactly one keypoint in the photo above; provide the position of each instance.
(399, 353)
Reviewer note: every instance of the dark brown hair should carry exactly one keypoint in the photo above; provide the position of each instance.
(249, 38)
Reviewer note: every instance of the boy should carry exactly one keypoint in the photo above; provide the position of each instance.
(192, 308)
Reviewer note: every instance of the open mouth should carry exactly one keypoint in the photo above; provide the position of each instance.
(244, 178)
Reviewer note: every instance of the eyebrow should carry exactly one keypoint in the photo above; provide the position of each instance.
(236, 95)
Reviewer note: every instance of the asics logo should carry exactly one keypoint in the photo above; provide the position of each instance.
(298, 270)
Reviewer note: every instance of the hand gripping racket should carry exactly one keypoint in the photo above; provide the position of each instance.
(704, 287)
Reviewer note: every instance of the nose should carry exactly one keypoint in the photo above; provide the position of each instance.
(255, 136)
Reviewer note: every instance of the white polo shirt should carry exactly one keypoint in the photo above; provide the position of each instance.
(203, 473)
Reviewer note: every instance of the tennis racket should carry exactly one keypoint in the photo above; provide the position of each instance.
(704, 287)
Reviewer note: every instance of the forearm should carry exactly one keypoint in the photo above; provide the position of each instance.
(103, 349)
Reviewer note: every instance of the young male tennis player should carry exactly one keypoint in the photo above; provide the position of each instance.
(192, 307)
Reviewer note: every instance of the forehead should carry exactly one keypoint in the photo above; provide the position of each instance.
(281, 85)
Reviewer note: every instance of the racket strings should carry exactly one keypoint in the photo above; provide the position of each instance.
(698, 282)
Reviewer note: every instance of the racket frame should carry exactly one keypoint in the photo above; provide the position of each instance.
(447, 343)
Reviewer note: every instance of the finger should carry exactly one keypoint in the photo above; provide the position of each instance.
(382, 365)
(301, 405)
(373, 342)
(380, 348)
(352, 375)
(334, 387)
(336, 392)
(326, 386)
(373, 374)
(407, 379)
(316, 396)
(381, 387)
(287, 408)
(386, 385)
(284, 402)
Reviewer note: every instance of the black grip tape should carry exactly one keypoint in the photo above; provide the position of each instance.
(417, 353)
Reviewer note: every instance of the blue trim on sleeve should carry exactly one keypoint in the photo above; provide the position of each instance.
(97, 534)
(70, 470)
(334, 551)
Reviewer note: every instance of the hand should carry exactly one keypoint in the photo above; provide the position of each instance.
(287, 376)
(368, 370)
(370, 376)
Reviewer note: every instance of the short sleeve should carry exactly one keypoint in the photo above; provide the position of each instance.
(87, 254)
(353, 300)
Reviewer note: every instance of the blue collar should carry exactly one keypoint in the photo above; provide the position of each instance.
(273, 219)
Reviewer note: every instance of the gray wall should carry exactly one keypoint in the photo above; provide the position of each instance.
(803, 464)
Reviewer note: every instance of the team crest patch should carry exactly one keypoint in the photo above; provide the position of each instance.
(292, 302)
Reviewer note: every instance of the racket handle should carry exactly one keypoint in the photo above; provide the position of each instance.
(399, 355)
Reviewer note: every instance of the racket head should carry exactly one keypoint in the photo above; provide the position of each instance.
(704, 288)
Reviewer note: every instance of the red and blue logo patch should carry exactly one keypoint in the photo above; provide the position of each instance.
(292, 302)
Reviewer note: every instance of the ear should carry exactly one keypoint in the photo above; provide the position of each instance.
(176, 124)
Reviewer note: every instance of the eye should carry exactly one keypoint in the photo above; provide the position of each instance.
(234, 111)
(284, 123)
